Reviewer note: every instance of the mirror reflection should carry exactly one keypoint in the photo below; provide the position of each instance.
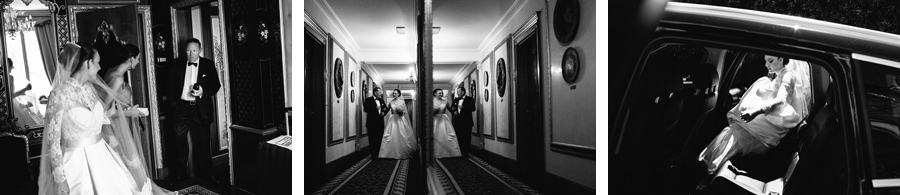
(31, 48)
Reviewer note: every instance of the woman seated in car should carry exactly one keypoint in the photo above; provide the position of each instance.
(767, 111)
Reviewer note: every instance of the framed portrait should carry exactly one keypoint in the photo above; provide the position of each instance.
(501, 88)
(336, 126)
(352, 114)
(487, 106)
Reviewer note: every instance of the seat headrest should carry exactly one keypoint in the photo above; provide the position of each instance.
(704, 75)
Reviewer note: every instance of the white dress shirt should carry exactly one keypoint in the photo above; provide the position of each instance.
(378, 106)
(190, 77)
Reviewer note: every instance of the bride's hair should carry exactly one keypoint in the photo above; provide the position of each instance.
(85, 53)
(127, 51)
(434, 93)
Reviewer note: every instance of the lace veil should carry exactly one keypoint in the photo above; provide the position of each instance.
(801, 90)
(52, 179)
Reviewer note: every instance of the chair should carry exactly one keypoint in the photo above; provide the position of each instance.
(14, 165)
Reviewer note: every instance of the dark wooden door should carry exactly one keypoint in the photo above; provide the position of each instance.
(528, 108)
(314, 67)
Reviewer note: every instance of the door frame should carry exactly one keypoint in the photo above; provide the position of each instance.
(530, 145)
(315, 141)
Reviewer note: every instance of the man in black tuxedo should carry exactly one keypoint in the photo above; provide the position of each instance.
(462, 109)
(375, 109)
(192, 83)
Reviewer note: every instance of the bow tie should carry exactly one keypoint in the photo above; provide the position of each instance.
(192, 64)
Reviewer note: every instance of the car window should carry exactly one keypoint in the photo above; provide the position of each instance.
(881, 83)
(675, 89)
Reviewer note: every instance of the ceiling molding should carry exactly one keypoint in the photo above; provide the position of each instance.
(338, 24)
(464, 72)
(372, 72)
(503, 22)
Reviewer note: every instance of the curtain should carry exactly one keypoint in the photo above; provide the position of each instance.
(47, 39)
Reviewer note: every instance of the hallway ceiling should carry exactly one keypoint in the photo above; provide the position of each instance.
(398, 73)
(371, 28)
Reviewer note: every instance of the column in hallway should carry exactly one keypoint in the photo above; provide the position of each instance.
(424, 22)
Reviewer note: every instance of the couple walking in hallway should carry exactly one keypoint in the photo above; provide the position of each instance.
(398, 140)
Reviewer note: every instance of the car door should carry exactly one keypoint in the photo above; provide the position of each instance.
(655, 136)
(880, 81)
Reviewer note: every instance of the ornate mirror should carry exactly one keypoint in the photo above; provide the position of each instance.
(29, 57)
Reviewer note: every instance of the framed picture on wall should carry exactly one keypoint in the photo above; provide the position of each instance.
(502, 89)
(487, 106)
(335, 130)
(351, 120)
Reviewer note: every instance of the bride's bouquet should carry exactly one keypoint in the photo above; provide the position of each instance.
(399, 111)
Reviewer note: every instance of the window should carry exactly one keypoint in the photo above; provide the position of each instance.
(25, 52)
(882, 86)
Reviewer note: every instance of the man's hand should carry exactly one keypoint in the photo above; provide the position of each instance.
(197, 92)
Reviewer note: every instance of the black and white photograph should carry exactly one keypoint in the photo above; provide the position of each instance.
(196, 97)
(461, 97)
(753, 97)
(145, 97)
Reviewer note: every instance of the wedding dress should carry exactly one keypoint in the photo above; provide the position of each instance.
(88, 163)
(85, 151)
(790, 86)
(398, 140)
(446, 143)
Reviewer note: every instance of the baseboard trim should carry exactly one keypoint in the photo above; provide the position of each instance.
(557, 184)
(506, 165)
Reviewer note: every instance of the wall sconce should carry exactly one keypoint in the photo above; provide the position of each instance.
(435, 30)
(412, 75)
(401, 30)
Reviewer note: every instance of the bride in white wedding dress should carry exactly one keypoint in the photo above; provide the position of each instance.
(446, 144)
(81, 152)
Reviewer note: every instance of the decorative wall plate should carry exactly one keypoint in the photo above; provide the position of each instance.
(571, 65)
(487, 95)
(352, 78)
(338, 77)
(501, 77)
(472, 88)
(485, 79)
(566, 16)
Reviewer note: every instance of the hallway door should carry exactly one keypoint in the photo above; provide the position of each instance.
(314, 68)
(528, 107)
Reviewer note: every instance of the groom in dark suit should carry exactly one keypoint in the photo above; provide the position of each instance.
(376, 109)
(192, 83)
(462, 109)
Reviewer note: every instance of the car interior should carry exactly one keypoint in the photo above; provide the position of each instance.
(682, 108)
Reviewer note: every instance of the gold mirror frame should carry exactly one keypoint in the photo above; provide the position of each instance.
(143, 14)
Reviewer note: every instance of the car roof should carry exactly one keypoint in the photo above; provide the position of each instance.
(857, 40)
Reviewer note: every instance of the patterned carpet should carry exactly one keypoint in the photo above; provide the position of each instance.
(472, 179)
(370, 176)
(474, 176)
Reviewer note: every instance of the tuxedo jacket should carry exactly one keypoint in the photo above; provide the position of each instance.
(207, 76)
(464, 117)
(374, 121)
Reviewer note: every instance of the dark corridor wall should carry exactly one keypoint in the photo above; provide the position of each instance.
(254, 41)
